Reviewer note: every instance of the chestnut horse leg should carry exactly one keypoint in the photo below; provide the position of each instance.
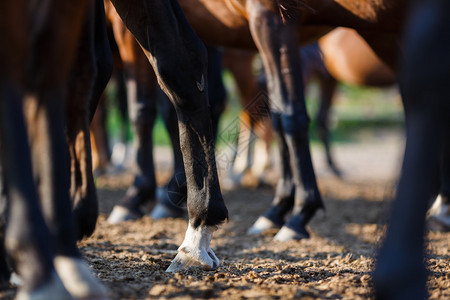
(278, 45)
(179, 59)
(91, 68)
(400, 272)
(43, 57)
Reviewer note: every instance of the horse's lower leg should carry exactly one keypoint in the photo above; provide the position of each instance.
(172, 199)
(283, 201)
(278, 45)
(50, 67)
(170, 43)
(327, 89)
(26, 236)
(400, 272)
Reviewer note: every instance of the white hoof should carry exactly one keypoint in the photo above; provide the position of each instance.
(15, 279)
(439, 213)
(195, 250)
(261, 225)
(120, 214)
(78, 279)
(163, 212)
(53, 290)
(286, 234)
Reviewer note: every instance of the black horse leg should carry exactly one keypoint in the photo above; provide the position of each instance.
(277, 41)
(172, 198)
(400, 271)
(439, 213)
(283, 201)
(179, 60)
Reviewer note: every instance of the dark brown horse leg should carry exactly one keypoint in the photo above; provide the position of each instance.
(87, 77)
(27, 238)
(278, 45)
(284, 199)
(327, 89)
(179, 60)
(439, 213)
(54, 49)
(172, 197)
(142, 94)
(400, 271)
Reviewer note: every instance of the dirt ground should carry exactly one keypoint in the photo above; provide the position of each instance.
(335, 263)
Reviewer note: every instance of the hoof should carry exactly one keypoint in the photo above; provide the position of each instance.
(287, 234)
(439, 215)
(261, 225)
(161, 211)
(52, 290)
(78, 279)
(195, 250)
(15, 279)
(120, 214)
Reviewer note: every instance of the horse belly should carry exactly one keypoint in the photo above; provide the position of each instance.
(217, 23)
(349, 59)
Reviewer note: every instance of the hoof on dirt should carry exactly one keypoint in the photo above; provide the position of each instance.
(161, 211)
(287, 234)
(195, 250)
(439, 215)
(120, 214)
(53, 290)
(78, 279)
(261, 225)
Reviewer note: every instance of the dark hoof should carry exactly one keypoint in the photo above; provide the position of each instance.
(86, 214)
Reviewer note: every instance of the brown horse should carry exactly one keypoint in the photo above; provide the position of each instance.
(36, 65)
(41, 55)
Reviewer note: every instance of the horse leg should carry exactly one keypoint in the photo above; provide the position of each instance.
(179, 60)
(142, 94)
(327, 89)
(173, 196)
(255, 117)
(277, 41)
(399, 271)
(87, 77)
(26, 236)
(439, 213)
(54, 47)
(284, 199)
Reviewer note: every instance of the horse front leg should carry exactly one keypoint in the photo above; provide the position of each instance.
(179, 60)
(54, 49)
(277, 41)
(399, 271)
